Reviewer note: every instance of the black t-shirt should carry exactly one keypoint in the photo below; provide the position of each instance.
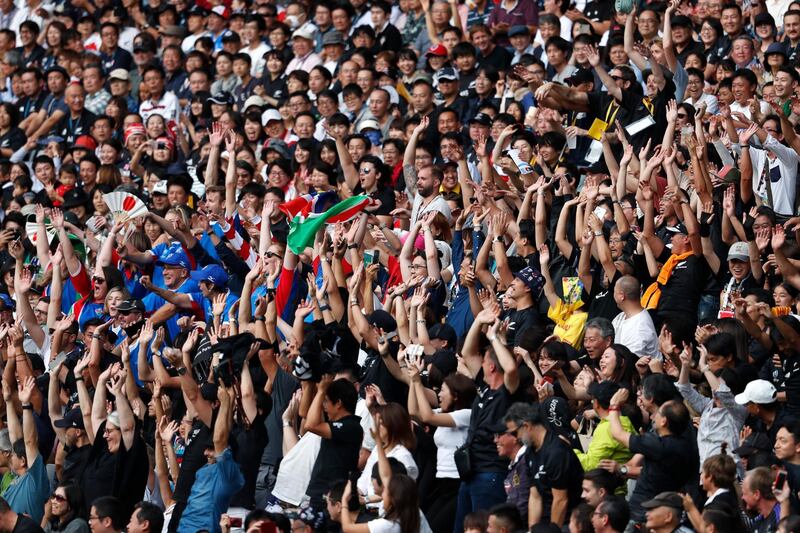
(681, 294)
(498, 57)
(194, 458)
(554, 466)
(122, 474)
(667, 467)
(338, 456)
(71, 128)
(488, 408)
(282, 389)
(600, 11)
(248, 446)
(519, 321)
(374, 371)
(26, 525)
(631, 109)
(275, 88)
(384, 194)
(14, 139)
(74, 463)
(601, 298)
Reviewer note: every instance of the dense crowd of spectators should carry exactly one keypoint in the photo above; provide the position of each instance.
(398, 267)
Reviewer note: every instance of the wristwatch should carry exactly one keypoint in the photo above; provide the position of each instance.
(623, 470)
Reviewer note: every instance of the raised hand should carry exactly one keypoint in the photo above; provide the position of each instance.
(146, 333)
(26, 390)
(745, 135)
(729, 202)
(778, 237)
(217, 134)
(57, 218)
(544, 256)
(218, 304)
(593, 56)
(422, 126)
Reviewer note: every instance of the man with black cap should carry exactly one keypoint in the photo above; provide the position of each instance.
(555, 471)
(374, 370)
(71, 433)
(664, 513)
(446, 82)
(520, 38)
(685, 272)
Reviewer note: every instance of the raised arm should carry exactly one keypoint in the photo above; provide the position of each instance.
(42, 244)
(630, 50)
(349, 170)
(594, 60)
(73, 262)
(23, 280)
(315, 421)
(29, 433)
(222, 426)
(549, 289)
(215, 138)
(230, 175)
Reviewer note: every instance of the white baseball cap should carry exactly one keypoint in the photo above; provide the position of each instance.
(759, 391)
(270, 115)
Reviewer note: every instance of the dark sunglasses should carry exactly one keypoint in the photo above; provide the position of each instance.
(271, 255)
(98, 280)
(58, 498)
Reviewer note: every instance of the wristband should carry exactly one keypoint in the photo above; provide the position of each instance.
(27, 406)
(613, 408)
(352, 246)
(181, 371)
(79, 378)
(325, 308)
(598, 233)
(260, 318)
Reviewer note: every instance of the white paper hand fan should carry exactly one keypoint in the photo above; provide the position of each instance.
(124, 206)
(32, 227)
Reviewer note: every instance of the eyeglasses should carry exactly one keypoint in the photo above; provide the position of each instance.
(108, 430)
(58, 497)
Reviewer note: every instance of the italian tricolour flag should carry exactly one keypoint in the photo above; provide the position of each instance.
(305, 222)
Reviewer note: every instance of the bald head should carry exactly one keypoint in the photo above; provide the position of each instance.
(629, 287)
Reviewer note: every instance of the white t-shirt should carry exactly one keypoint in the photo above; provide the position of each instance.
(295, 471)
(636, 333)
(448, 440)
(400, 453)
(366, 424)
(438, 204)
(167, 107)
(382, 525)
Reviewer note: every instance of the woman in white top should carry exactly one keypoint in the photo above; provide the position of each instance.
(452, 426)
(399, 496)
(397, 437)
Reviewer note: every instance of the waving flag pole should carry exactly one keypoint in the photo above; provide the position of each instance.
(306, 221)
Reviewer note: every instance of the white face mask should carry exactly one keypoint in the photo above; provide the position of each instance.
(293, 21)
